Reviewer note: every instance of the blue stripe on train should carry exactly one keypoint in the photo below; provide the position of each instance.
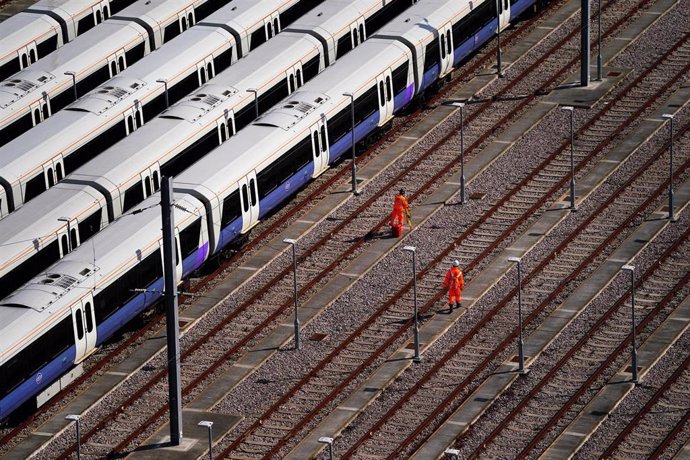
(37, 382)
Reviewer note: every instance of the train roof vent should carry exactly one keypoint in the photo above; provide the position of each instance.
(15, 88)
(198, 104)
(58, 280)
(288, 114)
(101, 99)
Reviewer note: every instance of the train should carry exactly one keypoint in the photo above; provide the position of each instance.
(42, 89)
(42, 28)
(53, 322)
(102, 190)
(41, 157)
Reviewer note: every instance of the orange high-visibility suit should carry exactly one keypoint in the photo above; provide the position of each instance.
(400, 209)
(455, 283)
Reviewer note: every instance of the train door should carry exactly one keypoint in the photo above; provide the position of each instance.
(58, 168)
(249, 200)
(384, 84)
(319, 144)
(446, 47)
(84, 322)
(357, 35)
(32, 52)
(503, 13)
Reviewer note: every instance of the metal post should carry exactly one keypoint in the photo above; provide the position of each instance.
(461, 106)
(75, 418)
(74, 82)
(329, 441)
(499, 53)
(573, 206)
(256, 101)
(209, 426)
(165, 86)
(631, 269)
(599, 70)
(521, 351)
(294, 283)
(584, 44)
(171, 314)
(413, 250)
(671, 215)
(69, 232)
(354, 164)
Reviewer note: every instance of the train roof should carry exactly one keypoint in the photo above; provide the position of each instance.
(20, 29)
(24, 230)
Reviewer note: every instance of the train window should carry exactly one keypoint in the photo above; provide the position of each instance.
(202, 76)
(113, 69)
(85, 24)
(98, 17)
(133, 196)
(35, 187)
(32, 56)
(156, 183)
(171, 31)
(89, 317)
(51, 177)
(298, 78)
(400, 78)
(292, 83)
(80, 325)
(389, 90)
(344, 45)
(63, 245)
(106, 12)
(137, 114)
(311, 69)
(245, 198)
(258, 38)
(323, 138)
(355, 42)
(317, 150)
(432, 56)
(443, 46)
(147, 186)
(58, 171)
(448, 42)
(73, 238)
(361, 32)
(189, 238)
(25, 61)
(44, 108)
(190, 19)
(223, 60)
(136, 53)
(382, 96)
(275, 25)
(231, 208)
(281, 170)
(130, 125)
(121, 63)
(223, 135)
(209, 70)
(89, 226)
(505, 5)
(252, 191)
(29, 268)
(183, 23)
(365, 105)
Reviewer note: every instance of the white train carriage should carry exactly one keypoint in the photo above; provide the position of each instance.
(42, 28)
(130, 171)
(35, 93)
(240, 182)
(40, 158)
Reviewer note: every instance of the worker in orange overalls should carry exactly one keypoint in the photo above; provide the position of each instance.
(401, 209)
(455, 283)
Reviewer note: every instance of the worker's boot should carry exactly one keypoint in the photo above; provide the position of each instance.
(450, 307)
(458, 304)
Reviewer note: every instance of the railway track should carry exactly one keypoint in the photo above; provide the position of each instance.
(265, 420)
(219, 347)
(260, 239)
(475, 352)
(643, 434)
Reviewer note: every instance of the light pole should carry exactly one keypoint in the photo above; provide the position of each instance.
(413, 250)
(354, 165)
(570, 109)
(671, 216)
(499, 54)
(294, 282)
(631, 269)
(165, 86)
(329, 441)
(74, 82)
(599, 44)
(521, 351)
(209, 426)
(461, 106)
(69, 232)
(256, 101)
(75, 418)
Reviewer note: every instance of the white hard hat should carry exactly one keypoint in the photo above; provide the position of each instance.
(456, 263)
